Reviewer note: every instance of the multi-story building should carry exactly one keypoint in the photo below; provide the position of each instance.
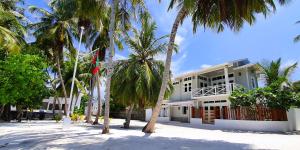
(205, 93)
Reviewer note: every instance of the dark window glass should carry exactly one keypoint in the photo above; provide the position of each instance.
(201, 84)
(184, 109)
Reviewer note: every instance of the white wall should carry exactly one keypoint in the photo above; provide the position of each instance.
(252, 125)
(294, 119)
(177, 111)
(159, 119)
(196, 121)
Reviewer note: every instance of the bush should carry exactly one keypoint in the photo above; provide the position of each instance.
(57, 118)
(270, 96)
(75, 117)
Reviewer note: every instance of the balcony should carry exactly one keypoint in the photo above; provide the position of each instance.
(213, 90)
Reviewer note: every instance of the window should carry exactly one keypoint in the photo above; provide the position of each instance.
(190, 87)
(201, 84)
(230, 75)
(240, 74)
(184, 110)
(188, 78)
(185, 87)
(253, 83)
(231, 81)
(175, 83)
(202, 78)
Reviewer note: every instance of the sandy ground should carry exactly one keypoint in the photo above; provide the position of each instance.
(170, 136)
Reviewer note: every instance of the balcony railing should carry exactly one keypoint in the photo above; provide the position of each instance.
(213, 90)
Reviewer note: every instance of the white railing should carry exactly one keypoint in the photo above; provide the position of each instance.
(213, 90)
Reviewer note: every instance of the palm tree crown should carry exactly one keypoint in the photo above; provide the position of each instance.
(273, 71)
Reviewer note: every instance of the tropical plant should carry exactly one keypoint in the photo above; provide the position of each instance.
(115, 8)
(54, 34)
(274, 72)
(136, 81)
(270, 96)
(12, 30)
(211, 14)
(296, 86)
(23, 81)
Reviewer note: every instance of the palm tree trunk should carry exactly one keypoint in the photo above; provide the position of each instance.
(89, 111)
(19, 113)
(62, 84)
(1, 110)
(99, 101)
(149, 128)
(109, 68)
(60, 106)
(54, 104)
(128, 117)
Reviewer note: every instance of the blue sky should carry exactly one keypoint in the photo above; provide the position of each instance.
(268, 39)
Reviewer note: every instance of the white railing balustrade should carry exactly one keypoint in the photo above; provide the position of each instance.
(213, 90)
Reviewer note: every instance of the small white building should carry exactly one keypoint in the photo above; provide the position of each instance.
(48, 104)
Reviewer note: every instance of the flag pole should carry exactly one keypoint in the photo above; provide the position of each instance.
(75, 69)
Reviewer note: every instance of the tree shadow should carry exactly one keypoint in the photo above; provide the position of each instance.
(212, 127)
(127, 143)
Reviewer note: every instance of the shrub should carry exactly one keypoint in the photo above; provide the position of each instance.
(75, 117)
(57, 118)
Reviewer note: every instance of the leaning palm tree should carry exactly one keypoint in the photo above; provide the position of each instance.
(274, 72)
(135, 82)
(210, 14)
(54, 34)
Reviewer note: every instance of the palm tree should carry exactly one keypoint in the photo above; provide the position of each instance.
(122, 11)
(210, 14)
(274, 73)
(99, 99)
(135, 82)
(54, 34)
(297, 38)
(11, 29)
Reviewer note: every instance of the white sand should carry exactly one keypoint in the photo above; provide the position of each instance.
(171, 136)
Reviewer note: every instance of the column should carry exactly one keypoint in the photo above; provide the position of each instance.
(247, 77)
(226, 79)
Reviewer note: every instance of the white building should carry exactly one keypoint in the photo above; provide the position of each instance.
(204, 94)
(48, 104)
(202, 97)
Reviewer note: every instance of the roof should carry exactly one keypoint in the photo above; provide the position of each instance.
(217, 67)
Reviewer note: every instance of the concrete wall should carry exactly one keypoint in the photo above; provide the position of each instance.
(175, 112)
(159, 119)
(251, 125)
(196, 121)
(241, 80)
(294, 119)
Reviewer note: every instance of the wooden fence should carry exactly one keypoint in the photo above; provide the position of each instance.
(242, 113)
(257, 113)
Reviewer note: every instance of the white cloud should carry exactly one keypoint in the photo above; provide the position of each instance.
(205, 66)
(177, 64)
(119, 57)
(179, 39)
